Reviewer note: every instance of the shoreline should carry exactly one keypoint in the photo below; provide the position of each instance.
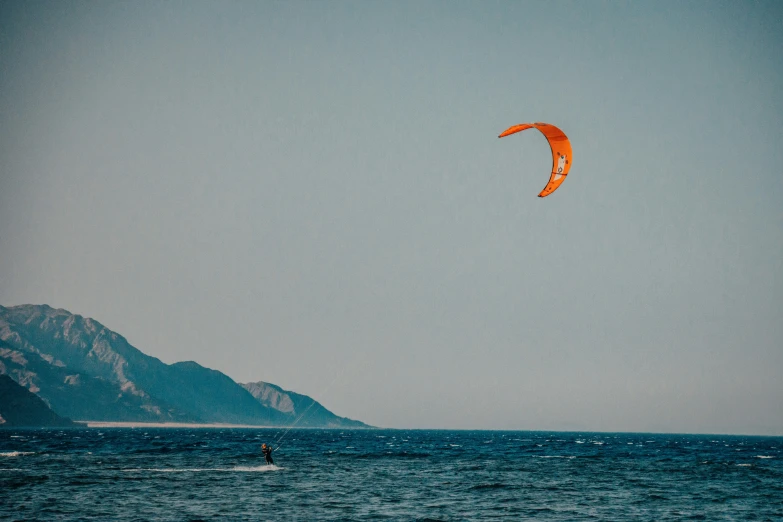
(109, 424)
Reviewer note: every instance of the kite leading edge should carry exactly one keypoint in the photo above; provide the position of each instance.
(561, 152)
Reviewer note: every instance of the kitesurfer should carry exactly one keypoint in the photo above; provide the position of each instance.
(267, 451)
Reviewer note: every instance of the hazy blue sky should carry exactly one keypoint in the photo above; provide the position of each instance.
(313, 194)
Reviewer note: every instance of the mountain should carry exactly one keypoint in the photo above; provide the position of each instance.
(306, 411)
(20, 407)
(85, 371)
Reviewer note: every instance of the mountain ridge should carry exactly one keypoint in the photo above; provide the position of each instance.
(83, 370)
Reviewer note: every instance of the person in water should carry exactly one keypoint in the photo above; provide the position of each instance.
(267, 451)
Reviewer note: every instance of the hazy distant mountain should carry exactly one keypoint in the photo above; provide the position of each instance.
(305, 410)
(20, 407)
(83, 370)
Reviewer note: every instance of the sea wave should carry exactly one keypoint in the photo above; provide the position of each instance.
(553, 456)
(392, 454)
(493, 485)
(15, 453)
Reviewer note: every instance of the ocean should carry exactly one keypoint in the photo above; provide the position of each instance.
(219, 474)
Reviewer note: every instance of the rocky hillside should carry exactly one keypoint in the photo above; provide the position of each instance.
(85, 371)
(21, 408)
(305, 410)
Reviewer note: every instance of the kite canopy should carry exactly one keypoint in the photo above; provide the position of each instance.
(561, 152)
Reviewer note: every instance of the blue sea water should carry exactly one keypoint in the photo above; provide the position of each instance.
(219, 474)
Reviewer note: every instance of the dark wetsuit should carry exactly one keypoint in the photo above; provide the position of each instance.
(268, 455)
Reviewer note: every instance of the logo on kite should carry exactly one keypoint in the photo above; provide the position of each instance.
(560, 147)
(561, 163)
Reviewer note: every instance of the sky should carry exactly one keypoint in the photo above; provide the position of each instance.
(313, 194)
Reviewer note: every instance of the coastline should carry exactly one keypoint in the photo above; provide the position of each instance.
(108, 424)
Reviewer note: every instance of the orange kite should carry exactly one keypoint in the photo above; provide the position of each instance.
(561, 152)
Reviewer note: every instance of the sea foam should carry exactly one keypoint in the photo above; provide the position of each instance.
(15, 453)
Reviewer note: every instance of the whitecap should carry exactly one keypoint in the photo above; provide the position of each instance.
(15, 453)
(764, 457)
